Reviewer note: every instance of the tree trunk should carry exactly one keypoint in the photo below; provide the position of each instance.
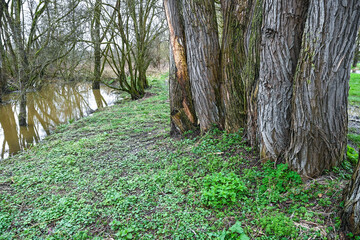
(283, 25)
(2, 77)
(2, 54)
(22, 112)
(203, 58)
(357, 52)
(183, 117)
(97, 47)
(233, 58)
(250, 74)
(350, 215)
(321, 85)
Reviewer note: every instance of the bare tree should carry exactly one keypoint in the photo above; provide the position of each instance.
(27, 43)
(138, 24)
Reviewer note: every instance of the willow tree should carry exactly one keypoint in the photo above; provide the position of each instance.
(203, 59)
(183, 116)
(233, 59)
(321, 85)
(223, 83)
(283, 26)
(240, 64)
(137, 26)
(28, 39)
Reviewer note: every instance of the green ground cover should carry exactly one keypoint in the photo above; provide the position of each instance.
(354, 100)
(118, 174)
(354, 93)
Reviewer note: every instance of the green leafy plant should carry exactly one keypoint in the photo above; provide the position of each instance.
(222, 189)
(352, 155)
(278, 181)
(279, 225)
(234, 232)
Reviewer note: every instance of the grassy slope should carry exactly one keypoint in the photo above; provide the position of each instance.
(118, 174)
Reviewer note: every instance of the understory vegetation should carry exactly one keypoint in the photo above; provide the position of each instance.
(118, 174)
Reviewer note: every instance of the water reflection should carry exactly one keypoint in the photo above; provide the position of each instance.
(52, 105)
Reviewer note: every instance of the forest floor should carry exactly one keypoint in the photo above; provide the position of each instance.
(117, 174)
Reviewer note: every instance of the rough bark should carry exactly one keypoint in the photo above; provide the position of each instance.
(233, 58)
(203, 58)
(2, 51)
(321, 85)
(357, 52)
(283, 25)
(183, 116)
(250, 74)
(97, 48)
(350, 215)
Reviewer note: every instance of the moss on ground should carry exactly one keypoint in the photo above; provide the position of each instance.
(118, 174)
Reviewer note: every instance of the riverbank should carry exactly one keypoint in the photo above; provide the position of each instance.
(117, 174)
(54, 104)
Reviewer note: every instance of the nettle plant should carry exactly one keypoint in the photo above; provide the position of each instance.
(221, 189)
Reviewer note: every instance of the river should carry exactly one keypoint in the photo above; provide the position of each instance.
(52, 105)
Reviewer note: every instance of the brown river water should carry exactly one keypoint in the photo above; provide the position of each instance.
(54, 104)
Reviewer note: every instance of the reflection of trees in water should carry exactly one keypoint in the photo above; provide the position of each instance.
(46, 109)
(9, 127)
(99, 99)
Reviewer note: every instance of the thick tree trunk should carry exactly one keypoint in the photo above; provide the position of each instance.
(183, 117)
(319, 116)
(283, 25)
(250, 74)
(203, 58)
(97, 48)
(233, 58)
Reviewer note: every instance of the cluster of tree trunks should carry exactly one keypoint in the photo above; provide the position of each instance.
(290, 90)
(282, 74)
(321, 85)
